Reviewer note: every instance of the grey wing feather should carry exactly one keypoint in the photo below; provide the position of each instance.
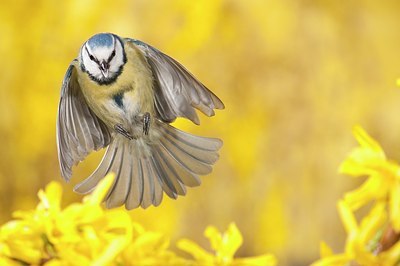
(177, 91)
(79, 130)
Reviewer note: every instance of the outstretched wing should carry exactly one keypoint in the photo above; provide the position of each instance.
(79, 130)
(177, 91)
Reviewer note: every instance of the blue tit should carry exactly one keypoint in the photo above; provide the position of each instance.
(122, 94)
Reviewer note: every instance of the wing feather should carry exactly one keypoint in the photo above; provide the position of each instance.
(79, 130)
(177, 91)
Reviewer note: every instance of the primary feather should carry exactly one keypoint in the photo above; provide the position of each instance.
(177, 91)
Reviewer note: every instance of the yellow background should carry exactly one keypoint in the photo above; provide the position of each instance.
(295, 76)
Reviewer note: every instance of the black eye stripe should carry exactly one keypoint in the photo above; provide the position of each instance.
(91, 57)
(111, 56)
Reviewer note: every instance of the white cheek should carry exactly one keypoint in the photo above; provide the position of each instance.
(90, 66)
(94, 70)
(115, 65)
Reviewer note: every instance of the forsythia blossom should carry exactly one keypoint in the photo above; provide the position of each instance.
(87, 234)
(383, 176)
(374, 240)
(225, 245)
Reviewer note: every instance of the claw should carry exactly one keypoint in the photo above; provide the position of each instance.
(121, 130)
(146, 123)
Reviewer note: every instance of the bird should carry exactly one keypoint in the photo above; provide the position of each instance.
(122, 94)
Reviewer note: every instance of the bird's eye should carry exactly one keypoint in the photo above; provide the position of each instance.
(92, 57)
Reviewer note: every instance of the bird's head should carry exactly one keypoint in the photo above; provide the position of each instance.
(103, 57)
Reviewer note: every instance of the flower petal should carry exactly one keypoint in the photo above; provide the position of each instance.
(366, 141)
(195, 250)
(347, 217)
(100, 191)
(369, 190)
(226, 244)
(335, 260)
(264, 260)
(325, 250)
(50, 198)
(371, 225)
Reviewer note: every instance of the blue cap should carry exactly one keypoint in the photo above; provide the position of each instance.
(101, 40)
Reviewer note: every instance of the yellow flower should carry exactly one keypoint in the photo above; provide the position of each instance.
(21, 242)
(225, 246)
(81, 234)
(383, 176)
(362, 243)
(24, 239)
(87, 234)
(8, 262)
(148, 248)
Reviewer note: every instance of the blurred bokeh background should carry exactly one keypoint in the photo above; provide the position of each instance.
(295, 77)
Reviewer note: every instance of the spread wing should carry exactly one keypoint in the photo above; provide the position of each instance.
(177, 91)
(79, 130)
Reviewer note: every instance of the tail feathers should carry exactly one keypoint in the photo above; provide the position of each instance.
(144, 171)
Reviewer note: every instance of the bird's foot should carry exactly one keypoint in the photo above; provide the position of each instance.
(121, 130)
(146, 123)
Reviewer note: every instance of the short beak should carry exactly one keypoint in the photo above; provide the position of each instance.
(104, 73)
(104, 68)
